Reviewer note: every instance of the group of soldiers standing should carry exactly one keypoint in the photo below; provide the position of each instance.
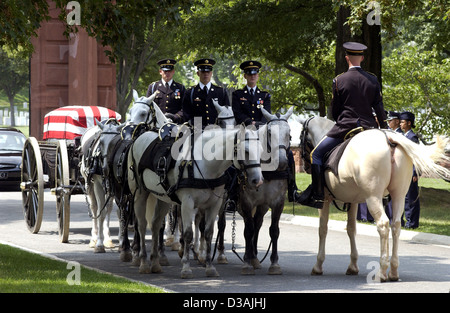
(356, 102)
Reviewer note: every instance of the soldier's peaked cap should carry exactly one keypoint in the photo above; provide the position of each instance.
(204, 65)
(250, 67)
(166, 64)
(354, 48)
(408, 116)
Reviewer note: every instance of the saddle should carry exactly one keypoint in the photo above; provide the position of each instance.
(158, 157)
(332, 157)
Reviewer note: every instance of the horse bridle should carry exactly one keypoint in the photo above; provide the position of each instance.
(151, 111)
(305, 144)
(242, 166)
(269, 135)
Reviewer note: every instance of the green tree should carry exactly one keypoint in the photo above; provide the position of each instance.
(131, 32)
(13, 77)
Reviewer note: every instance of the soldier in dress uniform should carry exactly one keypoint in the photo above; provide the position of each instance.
(412, 203)
(355, 93)
(198, 99)
(247, 101)
(393, 120)
(169, 93)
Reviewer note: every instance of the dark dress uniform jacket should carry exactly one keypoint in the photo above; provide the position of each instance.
(168, 101)
(245, 106)
(197, 103)
(355, 93)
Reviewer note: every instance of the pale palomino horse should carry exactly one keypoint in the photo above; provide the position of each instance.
(375, 163)
(213, 151)
(254, 204)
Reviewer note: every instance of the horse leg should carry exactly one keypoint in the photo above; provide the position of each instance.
(249, 230)
(124, 242)
(275, 268)
(101, 201)
(197, 230)
(93, 206)
(351, 232)
(140, 201)
(163, 260)
(160, 212)
(398, 204)
(210, 217)
(258, 219)
(187, 212)
(107, 242)
(323, 230)
(376, 209)
(221, 224)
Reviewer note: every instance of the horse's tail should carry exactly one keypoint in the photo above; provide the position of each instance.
(424, 158)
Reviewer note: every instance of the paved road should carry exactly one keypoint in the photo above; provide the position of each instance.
(424, 267)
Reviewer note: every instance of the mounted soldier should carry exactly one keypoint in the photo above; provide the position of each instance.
(355, 93)
(198, 101)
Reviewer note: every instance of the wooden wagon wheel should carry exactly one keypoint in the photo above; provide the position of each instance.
(32, 185)
(62, 191)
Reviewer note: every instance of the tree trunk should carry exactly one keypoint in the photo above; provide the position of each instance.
(11, 105)
(315, 83)
(370, 36)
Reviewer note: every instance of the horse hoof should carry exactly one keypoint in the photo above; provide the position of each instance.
(222, 259)
(247, 270)
(351, 271)
(176, 246)
(316, 272)
(212, 272)
(156, 268)
(92, 243)
(391, 278)
(275, 269)
(135, 261)
(144, 269)
(187, 274)
(100, 249)
(256, 264)
(109, 244)
(126, 256)
(168, 242)
(163, 260)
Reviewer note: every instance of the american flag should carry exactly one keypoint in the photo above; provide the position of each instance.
(72, 121)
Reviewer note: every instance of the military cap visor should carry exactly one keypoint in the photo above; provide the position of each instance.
(354, 48)
(205, 65)
(408, 116)
(393, 115)
(250, 67)
(167, 64)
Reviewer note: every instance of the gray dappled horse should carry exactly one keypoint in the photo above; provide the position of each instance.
(214, 150)
(253, 204)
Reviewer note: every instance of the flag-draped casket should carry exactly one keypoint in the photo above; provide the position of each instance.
(72, 121)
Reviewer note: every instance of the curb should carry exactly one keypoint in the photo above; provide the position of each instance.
(364, 229)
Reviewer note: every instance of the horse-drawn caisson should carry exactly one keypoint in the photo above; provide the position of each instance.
(53, 163)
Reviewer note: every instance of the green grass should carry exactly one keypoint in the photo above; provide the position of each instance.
(434, 205)
(22, 271)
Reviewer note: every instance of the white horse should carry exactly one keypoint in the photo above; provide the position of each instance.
(375, 163)
(214, 150)
(99, 205)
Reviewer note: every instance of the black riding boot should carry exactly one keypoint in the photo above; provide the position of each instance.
(313, 195)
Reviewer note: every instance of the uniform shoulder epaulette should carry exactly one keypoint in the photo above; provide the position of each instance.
(339, 75)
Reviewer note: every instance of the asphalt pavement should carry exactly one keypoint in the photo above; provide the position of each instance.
(424, 258)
